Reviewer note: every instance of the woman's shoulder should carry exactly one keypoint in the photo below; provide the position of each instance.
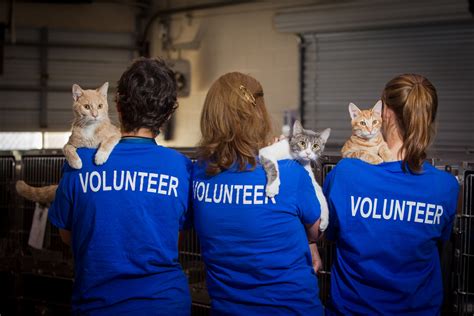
(173, 155)
(349, 164)
(289, 167)
(441, 175)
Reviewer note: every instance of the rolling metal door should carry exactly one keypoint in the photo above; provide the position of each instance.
(40, 68)
(343, 67)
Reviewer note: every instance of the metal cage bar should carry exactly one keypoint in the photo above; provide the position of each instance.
(8, 239)
(56, 257)
(464, 253)
(56, 260)
(193, 266)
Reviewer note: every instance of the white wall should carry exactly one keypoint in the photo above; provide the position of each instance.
(240, 38)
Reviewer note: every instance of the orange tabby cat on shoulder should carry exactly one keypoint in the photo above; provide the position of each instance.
(91, 128)
(366, 142)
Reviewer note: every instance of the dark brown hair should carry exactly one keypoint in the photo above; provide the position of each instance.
(234, 123)
(414, 101)
(146, 95)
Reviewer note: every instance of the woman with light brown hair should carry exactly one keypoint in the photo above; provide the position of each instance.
(255, 248)
(387, 219)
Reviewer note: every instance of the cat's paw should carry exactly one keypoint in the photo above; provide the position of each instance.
(273, 188)
(101, 157)
(323, 224)
(75, 163)
(372, 159)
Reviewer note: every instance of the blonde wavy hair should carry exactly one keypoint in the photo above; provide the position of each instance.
(414, 101)
(234, 123)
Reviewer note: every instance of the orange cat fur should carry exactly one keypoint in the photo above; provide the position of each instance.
(366, 142)
(91, 128)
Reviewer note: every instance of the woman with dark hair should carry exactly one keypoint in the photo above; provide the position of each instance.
(387, 219)
(255, 248)
(122, 218)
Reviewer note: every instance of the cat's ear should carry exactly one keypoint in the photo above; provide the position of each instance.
(76, 92)
(297, 128)
(325, 134)
(354, 111)
(103, 89)
(377, 109)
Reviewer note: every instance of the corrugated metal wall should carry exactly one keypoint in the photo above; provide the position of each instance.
(343, 67)
(43, 64)
(350, 49)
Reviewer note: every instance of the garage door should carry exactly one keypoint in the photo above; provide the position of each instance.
(343, 67)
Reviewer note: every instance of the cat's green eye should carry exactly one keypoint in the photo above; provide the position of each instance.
(100, 106)
(363, 123)
(87, 106)
(302, 144)
(375, 122)
(315, 147)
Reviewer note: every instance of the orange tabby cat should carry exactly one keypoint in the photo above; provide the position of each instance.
(366, 142)
(91, 128)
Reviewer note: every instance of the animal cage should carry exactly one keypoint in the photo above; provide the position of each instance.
(8, 240)
(55, 258)
(8, 237)
(326, 248)
(193, 267)
(25, 273)
(464, 252)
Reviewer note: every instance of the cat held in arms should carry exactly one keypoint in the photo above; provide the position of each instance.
(91, 128)
(304, 146)
(366, 142)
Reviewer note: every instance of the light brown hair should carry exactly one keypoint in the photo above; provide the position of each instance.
(234, 123)
(414, 101)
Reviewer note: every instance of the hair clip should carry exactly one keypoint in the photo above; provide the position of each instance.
(247, 95)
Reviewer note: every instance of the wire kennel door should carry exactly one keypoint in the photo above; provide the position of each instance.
(8, 236)
(464, 270)
(193, 266)
(56, 257)
(327, 249)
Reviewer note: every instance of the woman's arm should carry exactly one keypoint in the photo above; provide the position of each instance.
(65, 236)
(312, 232)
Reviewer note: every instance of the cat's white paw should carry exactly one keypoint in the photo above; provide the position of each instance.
(101, 157)
(273, 188)
(323, 224)
(76, 163)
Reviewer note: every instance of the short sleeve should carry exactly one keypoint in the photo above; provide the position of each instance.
(333, 227)
(60, 212)
(452, 206)
(309, 209)
(186, 220)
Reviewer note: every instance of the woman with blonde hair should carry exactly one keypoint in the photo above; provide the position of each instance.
(386, 219)
(255, 248)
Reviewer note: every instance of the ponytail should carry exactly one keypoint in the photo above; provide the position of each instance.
(414, 101)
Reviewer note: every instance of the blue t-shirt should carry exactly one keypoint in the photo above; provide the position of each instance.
(124, 217)
(386, 224)
(255, 248)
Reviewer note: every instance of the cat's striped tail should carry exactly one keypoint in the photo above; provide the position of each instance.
(43, 195)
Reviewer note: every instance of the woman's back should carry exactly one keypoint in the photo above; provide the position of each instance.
(124, 218)
(255, 248)
(387, 223)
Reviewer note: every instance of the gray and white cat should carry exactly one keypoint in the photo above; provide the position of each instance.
(303, 146)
